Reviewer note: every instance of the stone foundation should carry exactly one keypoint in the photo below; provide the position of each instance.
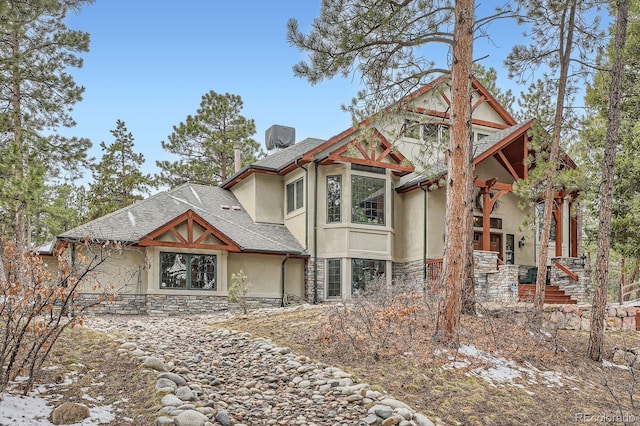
(309, 280)
(122, 304)
(169, 305)
(409, 273)
(573, 317)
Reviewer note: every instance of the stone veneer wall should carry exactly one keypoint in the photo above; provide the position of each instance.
(169, 304)
(123, 304)
(409, 273)
(309, 279)
(493, 282)
(579, 290)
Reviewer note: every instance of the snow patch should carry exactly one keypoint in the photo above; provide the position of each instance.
(34, 411)
(501, 371)
(195, 194)
(132, 218)
(606, 363)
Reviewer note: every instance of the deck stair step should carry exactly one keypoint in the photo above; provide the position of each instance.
(552, 295)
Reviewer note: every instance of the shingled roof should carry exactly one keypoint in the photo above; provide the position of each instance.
(479, 148)
(275, 162)
(213, 204)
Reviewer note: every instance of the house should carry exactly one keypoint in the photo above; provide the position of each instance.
(320, 219)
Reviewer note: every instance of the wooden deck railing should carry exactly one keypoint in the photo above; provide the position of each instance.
(629, 290)
(434, 270)
(566, 270)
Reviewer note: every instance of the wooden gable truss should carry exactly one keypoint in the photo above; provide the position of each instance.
(193, 222)
(370, 155)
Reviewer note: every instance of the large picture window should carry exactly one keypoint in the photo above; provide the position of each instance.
(334, 278)
(368, 200)
(364, 272)
(187, 271)
(334, 199)
(295, 194)
(432, 133)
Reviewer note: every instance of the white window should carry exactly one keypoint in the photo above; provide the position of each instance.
(367, 200)
(295, 195)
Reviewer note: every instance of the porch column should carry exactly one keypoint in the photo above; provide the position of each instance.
(558, 207)
(486, 218)
(573, 227)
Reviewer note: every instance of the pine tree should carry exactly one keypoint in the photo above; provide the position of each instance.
(614, 114)
(66, 206)
(488, 77)
(384, 42)
(36, 95)
(205, 143)
(561, 35)
(118, 180)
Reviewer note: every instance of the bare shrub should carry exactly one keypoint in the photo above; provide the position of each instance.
(382, 321)
(621, 380)
(238, 290)
(39, 301)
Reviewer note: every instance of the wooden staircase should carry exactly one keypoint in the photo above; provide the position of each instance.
(552, 295)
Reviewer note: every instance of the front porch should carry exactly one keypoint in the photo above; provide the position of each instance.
(567, 280)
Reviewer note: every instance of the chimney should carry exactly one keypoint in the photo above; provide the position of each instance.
(237, 161)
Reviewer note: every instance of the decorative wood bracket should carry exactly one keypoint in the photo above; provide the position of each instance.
(189, 218)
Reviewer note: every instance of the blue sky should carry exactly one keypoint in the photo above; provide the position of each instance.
(150, 63)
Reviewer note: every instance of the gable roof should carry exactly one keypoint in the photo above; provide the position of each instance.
(482, 149)
(280, 162)
(286, 160)
(370, 157)
(213, 205)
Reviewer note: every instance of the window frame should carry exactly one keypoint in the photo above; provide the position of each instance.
(188, 271)
(380, 217)
(296, 196)
(416, 130)
(336, 284)
(334, 213)
(357, 288)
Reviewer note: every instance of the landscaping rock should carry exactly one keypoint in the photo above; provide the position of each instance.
(224, 377)
(154, 363)
(69, 413)
(190, 418)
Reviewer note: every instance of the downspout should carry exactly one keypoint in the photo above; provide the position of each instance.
(282, 277)
(306, 210)
(73, 255)
(315, 234)
(424, 240)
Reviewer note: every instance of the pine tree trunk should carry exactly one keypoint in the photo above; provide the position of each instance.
(554, 156)
(458, 244)
(622, 279)
(596, 335)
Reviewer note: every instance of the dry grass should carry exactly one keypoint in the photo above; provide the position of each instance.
(91, 360)
(453, 396)
(415, 375)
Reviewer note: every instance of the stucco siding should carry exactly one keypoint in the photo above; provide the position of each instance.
(264, 272)
(124, 271)
(245, 192)
(269, 198)
(436, 206)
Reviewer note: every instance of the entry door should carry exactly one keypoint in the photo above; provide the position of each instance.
(495, 242)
